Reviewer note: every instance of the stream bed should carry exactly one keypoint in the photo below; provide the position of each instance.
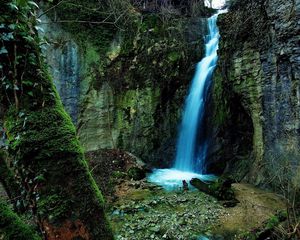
(146, 211)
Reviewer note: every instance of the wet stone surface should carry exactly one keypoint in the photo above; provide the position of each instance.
(143, 211)
(164, 215)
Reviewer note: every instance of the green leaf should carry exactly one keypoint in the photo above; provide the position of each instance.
(39, 29)
(33, 4)
(21, 114)
(12, 26)
(40, 178)
(13, 6)
(7, 36)
(3, 51)
(27, 83)
(29, 39)
(174, 56)
(30, 93)
(21, 3)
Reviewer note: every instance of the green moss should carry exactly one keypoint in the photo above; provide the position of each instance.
(118, 175)
(54, 205)
(221, 109)
(136, 173)
(58, 156)
(272, 222)
(8, 180)
(12, 227)
(78, 19)
(46, 154)
(174, 56)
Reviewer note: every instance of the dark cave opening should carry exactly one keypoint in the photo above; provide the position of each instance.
(231, 145)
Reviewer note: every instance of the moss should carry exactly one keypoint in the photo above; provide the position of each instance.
(56, 184)
(8, 180)
(54, 205)
(265, 231)
(272, 222)
(58, 149)
(136, 173)
(118, 174)
(12, 227)
(83, 22)
(221, 109)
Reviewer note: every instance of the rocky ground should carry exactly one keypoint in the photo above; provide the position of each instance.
(145, 211)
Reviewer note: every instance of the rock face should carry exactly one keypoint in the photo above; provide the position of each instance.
(64, 60)
(127, 92)
(256, 94)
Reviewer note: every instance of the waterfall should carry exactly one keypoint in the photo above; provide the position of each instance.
(187, 154)
(190, 155)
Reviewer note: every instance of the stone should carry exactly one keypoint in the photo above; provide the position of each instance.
(254, 105)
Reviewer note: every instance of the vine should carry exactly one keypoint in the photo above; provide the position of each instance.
(18, 37)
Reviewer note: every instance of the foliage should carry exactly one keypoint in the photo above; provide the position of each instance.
(46, 155)
(7, 179)
(266, 230)
(284, 176)
(94, 21)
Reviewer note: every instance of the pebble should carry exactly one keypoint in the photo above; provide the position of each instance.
(171, 216)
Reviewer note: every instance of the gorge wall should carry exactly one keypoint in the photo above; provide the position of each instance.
(255, 103)
(125, 89)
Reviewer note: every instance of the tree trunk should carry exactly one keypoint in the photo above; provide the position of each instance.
(12, 227)
(47, 157)
(9, 183)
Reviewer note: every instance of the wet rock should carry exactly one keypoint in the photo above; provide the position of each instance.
(169, 216)
(256, 89)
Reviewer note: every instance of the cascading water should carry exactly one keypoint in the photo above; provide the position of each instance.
(190, 157)
(194, 106)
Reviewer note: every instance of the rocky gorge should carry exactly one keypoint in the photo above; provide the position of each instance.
(123, 74)
(129, 97)
(128, 94)
(257, 124)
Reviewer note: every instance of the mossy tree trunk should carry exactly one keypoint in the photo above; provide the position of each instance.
(9, 182)
(12, 227)
(48, 160)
